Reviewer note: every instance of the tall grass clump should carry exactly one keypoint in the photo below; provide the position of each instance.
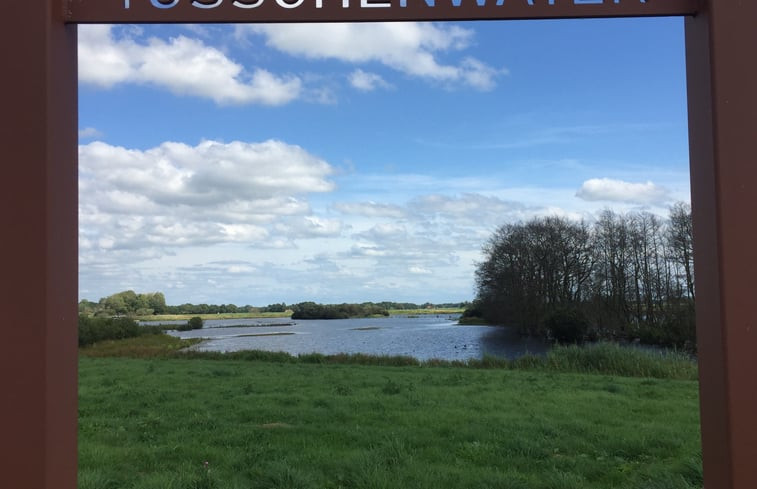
(599, 358)
(361, 359)
(117, 339)
(144, 346)
(489, 361)
(614, 359)
(243, 355)
(307, 358)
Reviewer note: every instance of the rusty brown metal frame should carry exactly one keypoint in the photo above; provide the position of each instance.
(38, 205)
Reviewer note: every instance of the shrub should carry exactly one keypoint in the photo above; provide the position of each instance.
(193, 323)
(677, 329)
(567, 326)
(94, 329)
(473, 314)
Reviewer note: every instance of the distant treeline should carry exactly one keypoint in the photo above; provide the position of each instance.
(130, 303)
(624, 277)
(311, 310)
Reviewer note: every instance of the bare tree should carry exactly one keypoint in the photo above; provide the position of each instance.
(628, 275)
(681, 243)
(533, 269)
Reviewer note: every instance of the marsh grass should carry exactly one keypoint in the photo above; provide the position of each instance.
(614, 359)
(271, 420)
(601, 358)
(146, 346)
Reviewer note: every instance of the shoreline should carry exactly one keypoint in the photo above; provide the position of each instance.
(286, 314)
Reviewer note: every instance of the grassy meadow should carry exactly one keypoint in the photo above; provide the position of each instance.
(266, 420)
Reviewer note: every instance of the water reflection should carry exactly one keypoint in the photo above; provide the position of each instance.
(422, 337)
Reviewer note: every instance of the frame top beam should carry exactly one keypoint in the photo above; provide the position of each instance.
(254, 11)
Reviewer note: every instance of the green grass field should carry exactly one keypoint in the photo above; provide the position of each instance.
(204, 423)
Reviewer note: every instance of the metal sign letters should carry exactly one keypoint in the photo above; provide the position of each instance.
(214, 11)
(209, 4)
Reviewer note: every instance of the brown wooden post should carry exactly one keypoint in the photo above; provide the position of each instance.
(38, 247)
(722, 81)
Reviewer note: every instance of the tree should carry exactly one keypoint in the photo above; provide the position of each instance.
(628, 276)
(114, 305)
(87, 307)
(157, 302)
(681, 241)
(533, 269)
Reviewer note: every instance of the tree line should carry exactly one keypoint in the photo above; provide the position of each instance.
(311, 310)
(624, 277)
(130, 303)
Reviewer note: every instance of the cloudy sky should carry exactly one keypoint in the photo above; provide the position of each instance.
(361, 162)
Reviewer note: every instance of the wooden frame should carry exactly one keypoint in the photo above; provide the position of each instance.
(38, 290)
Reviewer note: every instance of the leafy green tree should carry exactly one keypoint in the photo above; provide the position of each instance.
(87, 307)
(114, 303)
(157, 302)
(282, 307)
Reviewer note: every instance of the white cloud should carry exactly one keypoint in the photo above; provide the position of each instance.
(367, 251)
(479, 75)
(386, 233)
(209, 173)
(370, 209)
(89, 133)
(176, 195)
(310, 227)
(176, 217)
(222, 267)
(367, 82)
(612, 190)
(409, 47)
(469, 208)
(183, 65)
(419, 271)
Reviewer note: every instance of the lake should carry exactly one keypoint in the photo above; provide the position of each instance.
(423, 337)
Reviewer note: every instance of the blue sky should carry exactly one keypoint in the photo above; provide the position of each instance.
(361, 162)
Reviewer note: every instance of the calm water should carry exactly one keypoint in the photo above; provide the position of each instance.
(421, 337)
